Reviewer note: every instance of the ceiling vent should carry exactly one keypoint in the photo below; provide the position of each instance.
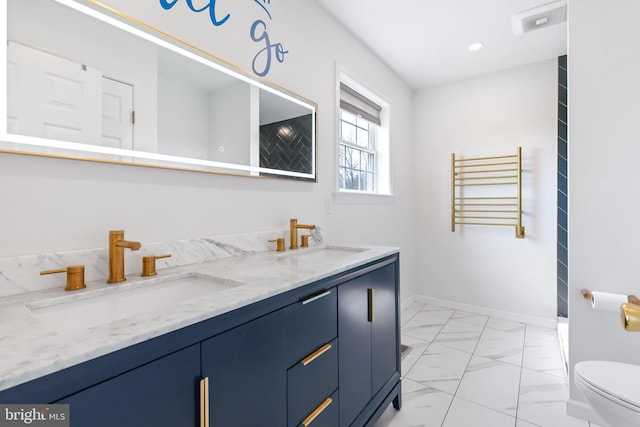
(539, 17)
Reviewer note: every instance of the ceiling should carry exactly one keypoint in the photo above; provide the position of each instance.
(426, 41)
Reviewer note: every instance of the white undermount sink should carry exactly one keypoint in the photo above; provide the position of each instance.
(322, 253)
(122, 301)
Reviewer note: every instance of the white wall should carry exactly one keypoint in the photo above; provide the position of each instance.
(489, 115)
(230, 124)
(183, 119)
(604, 93)
(56, 204)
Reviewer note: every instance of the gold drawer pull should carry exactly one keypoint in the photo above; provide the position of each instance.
(204, 402)
(371, 296)
(313, 356)
(316, 412)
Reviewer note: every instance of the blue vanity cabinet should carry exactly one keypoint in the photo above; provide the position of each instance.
(312, 357)
(369, 360)
(246, 368)
(325, 354)
(161, 393)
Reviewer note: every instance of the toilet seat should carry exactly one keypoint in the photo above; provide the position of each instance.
(611, 380)
(608, 396)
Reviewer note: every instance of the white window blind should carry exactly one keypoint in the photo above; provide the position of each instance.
(355, 103)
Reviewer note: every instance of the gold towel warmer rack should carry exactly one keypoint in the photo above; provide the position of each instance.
(484, 173)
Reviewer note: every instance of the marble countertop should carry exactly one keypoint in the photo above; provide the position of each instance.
(32, 348)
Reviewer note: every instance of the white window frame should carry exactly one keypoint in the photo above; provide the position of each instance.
(382, 168)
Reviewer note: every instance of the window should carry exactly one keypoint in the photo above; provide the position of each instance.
(357, 156)
(362, 141)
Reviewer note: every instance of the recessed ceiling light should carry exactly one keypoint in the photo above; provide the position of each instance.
(475, 46)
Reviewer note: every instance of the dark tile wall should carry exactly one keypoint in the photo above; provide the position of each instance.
(288, 145)
(563, 190)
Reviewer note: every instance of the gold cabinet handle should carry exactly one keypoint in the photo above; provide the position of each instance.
(316, 412)
(313, 356)
(370, 298)
(204, 402)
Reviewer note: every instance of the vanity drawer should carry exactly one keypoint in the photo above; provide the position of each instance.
(311, 380)
(311, 323)
(324, 415)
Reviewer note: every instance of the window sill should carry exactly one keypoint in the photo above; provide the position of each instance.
(360, 198)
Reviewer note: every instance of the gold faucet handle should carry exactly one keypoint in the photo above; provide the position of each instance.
(149, 264)
(279, 244)
(75, 276)
(305, 240)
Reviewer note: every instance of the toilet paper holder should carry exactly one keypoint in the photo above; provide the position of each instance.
(631, 299)
(629, 311)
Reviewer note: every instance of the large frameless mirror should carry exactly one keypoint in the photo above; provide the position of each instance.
(84, 82)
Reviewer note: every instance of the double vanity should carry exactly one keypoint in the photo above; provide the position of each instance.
(306, 337)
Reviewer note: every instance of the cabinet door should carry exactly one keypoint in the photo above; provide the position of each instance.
(161, 393)
(247, 374)
(384, 337)
(354, 355)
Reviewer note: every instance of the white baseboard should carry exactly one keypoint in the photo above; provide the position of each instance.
(506, 315)
(407, 302)
(579, 409)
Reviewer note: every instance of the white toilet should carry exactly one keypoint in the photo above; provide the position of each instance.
(612, 389)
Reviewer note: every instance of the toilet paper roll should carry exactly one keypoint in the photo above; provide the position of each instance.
(606, 301)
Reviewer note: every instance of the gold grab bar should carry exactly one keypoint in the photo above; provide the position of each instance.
(487, 204)
(476, 173)
(473, 165)
(487, 210)
(486, 177)
(488, 183)
(469, 159)
(489, 170)
(486, 217)
(484, 223)
(488, 198)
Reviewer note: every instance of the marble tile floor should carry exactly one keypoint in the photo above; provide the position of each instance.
(470, 370)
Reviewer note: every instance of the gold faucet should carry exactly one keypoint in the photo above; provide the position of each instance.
(293, 232)
(116, 255)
